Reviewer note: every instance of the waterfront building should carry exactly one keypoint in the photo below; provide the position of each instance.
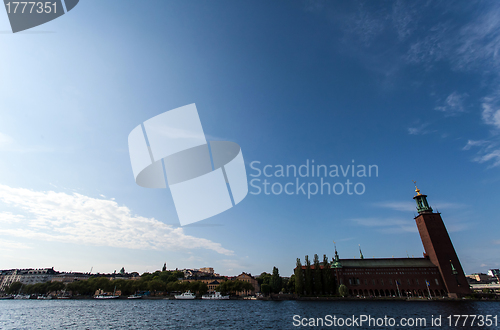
(27, 276)
(438, 273)
(247, 277)
(211, 281)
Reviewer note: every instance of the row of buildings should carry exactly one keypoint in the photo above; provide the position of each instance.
(34, 276)
(43, 275)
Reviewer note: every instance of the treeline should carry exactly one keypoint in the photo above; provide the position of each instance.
(274, 283)
(234, 286)
(316, 280)
(38, 288)
(157, 282)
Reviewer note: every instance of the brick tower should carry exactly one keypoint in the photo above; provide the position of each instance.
(439, 248)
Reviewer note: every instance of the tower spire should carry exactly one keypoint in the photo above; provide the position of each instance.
(360, 253)
(336, 262)
(422, 205)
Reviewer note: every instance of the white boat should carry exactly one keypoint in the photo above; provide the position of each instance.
(104, 296)
(186, 295)
(214, 296)
(44, 297)
(135, 296)
(22, 296)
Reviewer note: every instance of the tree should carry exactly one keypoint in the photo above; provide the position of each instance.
(276, 282)
(14, 287)
(265, 289)
(299, 278)
(327, 276)
(122, 271)
(318, 284)
(290, 285)
(264, 278)
(156, 285)
(308, 277)
(234, 287)
(343, 291)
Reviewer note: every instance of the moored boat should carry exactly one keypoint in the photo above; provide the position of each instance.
(188, 295)
(215, 296)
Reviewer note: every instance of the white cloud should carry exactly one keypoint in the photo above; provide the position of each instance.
(7, 143)
(489, 151)
(397, 225)
(411, 206)
(5, 140)
(419, 130)
(7, 245)
(385, 225)
(491, 112)
(454, 104)
(80, 219)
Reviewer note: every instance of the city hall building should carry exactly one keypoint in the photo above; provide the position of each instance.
(439, 273)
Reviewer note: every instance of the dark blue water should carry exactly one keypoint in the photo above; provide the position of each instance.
(250, 314)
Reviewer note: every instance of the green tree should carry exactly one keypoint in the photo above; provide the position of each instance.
(308, 277)
(299, 278)
(14, 288)
(276, 282)
(264, 278)
(156, 286)
(122, 271)
(327, 276)
(343, 291)
(234, 286)
(290, 285)
(318, 282)
(265, 289)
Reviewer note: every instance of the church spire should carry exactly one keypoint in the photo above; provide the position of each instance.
(336, 262)
(422, 205)
(360, 253)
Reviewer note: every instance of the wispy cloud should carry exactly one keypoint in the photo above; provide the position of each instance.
(411, 206)
(9, 144)
(394, 225)
(491, 111)
(397, 225)
(453, 105)
(419, 129)
(79, 219)
(8, 245)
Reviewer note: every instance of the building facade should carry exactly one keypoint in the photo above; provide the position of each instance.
(439, 273)
(27, 276)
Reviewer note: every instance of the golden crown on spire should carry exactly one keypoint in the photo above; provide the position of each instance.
(416, 189)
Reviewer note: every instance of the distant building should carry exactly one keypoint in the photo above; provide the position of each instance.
(211, 281)
(70, 277)
(27, 276)
(207, 270)
(250, 279)
(495, 273)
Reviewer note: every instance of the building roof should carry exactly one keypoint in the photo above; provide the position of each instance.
(387, 262)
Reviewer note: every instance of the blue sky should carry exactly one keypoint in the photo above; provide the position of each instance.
(410, 87)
